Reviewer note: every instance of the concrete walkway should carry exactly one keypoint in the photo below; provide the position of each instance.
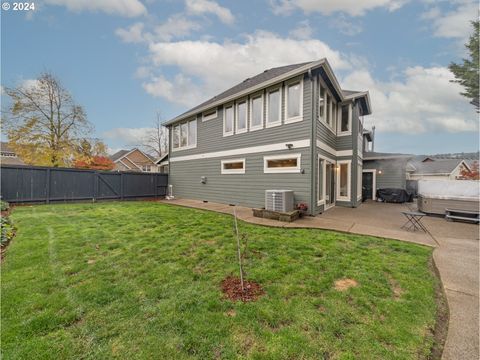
(456, 255)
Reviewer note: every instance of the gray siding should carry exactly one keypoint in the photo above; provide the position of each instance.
(393, 172)
(243, 189)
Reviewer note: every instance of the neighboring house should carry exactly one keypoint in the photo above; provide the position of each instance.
(290, 127)
(432, 168)
(8, 156)
(133, 160)
(162, 164)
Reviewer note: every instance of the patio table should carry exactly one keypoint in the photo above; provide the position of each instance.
(414, 221)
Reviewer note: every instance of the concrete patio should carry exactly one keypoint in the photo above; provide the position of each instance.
(456, 255)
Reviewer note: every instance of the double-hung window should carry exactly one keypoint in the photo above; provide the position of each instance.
(256, 112)
(288, 163)
(241, 117)
(185, 135)
(345, 120)
(321, 103)
(294, 101)
(274, 107)
(228, 119)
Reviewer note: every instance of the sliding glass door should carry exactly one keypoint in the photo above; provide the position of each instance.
(329, 184)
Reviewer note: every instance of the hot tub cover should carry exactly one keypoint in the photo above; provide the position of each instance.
(394, 195)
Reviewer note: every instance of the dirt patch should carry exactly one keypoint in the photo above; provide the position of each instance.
(232, 289)
(395, 286)
(231, 313)
(345, 284)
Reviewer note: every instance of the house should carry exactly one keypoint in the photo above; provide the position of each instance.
(291, 127)
(8, 156)
(432, 168)
(133, 160)
(162, 164)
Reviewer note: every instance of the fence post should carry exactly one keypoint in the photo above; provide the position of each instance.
(121, 185)
(47, 199)
(95, 185)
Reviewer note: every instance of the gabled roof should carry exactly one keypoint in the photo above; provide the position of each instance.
(119, 154)
(161, 159)
(437, 166)
(271, 77)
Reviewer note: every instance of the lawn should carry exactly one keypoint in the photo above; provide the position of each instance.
(138, 280)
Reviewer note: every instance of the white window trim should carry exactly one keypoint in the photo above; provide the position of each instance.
(211, 115)
(359, 176)
(324, 178)
(349, 180)
(299, 117)
(296, 169)
(258, 127)
(279, 122)
(225, 107)
(339, 125)
(180, 148)
(323, 119)
(237, 130)
(232, 171)
(374, 182)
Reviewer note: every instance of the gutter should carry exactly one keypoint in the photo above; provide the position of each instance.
(313, 144)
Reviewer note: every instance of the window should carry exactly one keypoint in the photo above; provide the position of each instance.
(146, 168)
(256, 112)
(209, 115)
(328, 103)
(294, 102)
(321, 103)
(228, 120)
(289, 163)
(241, 117)
(320, 172)
(233, 166)
(345, 119)
(185, 135)
(273, 108)
(343, 184)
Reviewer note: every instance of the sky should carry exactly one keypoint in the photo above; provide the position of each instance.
(125, 61)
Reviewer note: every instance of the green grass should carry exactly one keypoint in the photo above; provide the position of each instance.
(141, 280)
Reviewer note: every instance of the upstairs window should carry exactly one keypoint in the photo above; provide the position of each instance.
(209, 115)
(345, 119)
(273, 108)
(241, 117)
(256, 112)
(228, 120)
(321, 103)
(294, 102)
(328, 114)
(185, 135)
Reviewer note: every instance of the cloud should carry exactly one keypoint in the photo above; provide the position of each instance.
(327, 7)
(127, 8)
(302, 31)
(455, 23)
(176, 26)
(208, 67)
(345, 26)
(200, 7)
(128, 137)
(132, 34)
(424, 100)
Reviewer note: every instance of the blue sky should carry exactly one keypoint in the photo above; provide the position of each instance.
(125, 60)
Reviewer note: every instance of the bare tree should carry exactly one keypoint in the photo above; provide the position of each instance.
(43, 121)
(156, 141)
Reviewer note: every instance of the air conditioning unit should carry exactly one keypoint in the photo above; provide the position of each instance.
(279, 200)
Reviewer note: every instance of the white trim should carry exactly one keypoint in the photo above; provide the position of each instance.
(324, 176)
(213, 115)
(332, 151)
(128, 167)
(163, 163)
(224, 171)
(300, 116)
(253, 97)
(237, 103)
(349, 180)
(374, 182)
(248, 150)
(225, 107)
(359, 177)
(295, 169)
(279, 121)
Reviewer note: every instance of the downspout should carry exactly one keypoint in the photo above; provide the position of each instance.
(312, 145)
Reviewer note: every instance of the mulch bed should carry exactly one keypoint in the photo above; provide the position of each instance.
(232, 289)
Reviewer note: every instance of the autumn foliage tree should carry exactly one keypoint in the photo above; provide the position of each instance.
(92, 154)
(44, 123)
(472, 174)
(95, 163)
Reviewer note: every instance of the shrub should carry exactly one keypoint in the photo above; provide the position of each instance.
(4, 205)
(7, 232)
